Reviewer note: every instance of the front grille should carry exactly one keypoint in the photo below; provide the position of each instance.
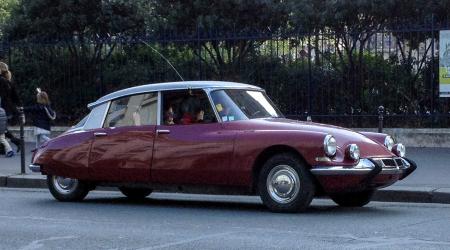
(389, 162)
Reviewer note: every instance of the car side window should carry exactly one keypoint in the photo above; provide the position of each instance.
(185, 107)
(135, 110)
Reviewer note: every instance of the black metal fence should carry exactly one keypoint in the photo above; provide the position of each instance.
(337, 78)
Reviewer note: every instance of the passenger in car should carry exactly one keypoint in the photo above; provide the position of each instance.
(200, 116)
(169, 116)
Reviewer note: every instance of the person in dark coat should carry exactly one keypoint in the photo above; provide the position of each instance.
(3, 141)
(42, 115)
(10, 101)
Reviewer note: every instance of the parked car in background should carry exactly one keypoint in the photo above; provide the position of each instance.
(216, 137)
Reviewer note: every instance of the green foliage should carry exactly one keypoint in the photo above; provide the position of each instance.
(73, 49)
(210, 18)
(239, 16)
(74, 19)
(6, 7)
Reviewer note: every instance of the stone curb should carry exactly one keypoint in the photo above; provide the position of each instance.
(3, 180)
(413, 194)
(391, 194)
(26, 181)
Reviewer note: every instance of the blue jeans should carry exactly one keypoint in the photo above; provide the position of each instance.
(5, 143)
(41, 138)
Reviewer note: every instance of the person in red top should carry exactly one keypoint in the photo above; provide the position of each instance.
(190, 110)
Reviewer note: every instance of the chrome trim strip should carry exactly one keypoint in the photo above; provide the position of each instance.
(162, 131)
(105, 114)
(391, 171)
(159, 111)
(323, 159)
(97, 134)
(363, 167)
(213, 106)
(339, 170)
(34, 168)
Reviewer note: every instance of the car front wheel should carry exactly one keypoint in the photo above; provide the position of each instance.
(285, 185)
(135, 193)
(67, 189)
(354, 199)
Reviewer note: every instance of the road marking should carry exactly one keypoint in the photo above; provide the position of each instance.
(58, 220)
(182, 242)
(383, 242)
(38, 243)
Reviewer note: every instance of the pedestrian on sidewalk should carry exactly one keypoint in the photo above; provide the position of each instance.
(42, 115)
(10, 101)
(3, 121)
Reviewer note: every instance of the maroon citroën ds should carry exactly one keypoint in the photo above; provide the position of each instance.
(216, 137)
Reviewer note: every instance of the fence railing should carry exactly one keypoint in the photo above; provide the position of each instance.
(338, 78)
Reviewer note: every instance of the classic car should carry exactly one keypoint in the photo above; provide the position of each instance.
(216, 137)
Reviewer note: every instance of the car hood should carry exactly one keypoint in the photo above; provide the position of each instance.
(343, 136)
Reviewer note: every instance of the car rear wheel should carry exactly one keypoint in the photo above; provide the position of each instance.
(67, 189)
(285, 185)
(135, 193)
(354, 199)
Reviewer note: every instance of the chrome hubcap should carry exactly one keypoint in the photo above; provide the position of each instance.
(64, 185)
(283, 184)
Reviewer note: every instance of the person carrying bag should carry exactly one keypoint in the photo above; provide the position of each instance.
(42, 116)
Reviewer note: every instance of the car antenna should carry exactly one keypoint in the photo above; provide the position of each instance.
(161, 55)
(148, 45)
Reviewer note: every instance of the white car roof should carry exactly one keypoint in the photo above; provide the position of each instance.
(172, 86)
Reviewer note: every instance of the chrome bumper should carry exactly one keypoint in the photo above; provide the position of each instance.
(34, 168)
(370, 167)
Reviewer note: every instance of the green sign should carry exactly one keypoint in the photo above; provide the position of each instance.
(444, 63)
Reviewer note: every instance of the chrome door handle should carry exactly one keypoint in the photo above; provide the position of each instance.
(100, 134)
(162, 131)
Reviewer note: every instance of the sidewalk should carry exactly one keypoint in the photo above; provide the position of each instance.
(429, 183)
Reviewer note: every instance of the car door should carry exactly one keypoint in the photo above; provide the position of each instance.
(193, 153)
(122, 150)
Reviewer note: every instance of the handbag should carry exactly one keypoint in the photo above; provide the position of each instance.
(50, 116)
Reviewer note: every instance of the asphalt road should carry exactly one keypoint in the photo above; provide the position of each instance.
(31, 219)
(433, 168)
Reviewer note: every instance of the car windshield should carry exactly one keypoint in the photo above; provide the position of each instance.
(240, 104)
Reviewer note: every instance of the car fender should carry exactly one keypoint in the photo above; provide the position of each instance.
(66, 155)
(249, 145)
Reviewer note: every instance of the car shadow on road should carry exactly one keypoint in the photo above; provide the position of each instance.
(318, 207)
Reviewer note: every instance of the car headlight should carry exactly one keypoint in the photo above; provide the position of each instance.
(353, 152)
(389, 142)
(330, 146)
(399, 150)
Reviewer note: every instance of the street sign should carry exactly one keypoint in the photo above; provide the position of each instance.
(444, 63)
